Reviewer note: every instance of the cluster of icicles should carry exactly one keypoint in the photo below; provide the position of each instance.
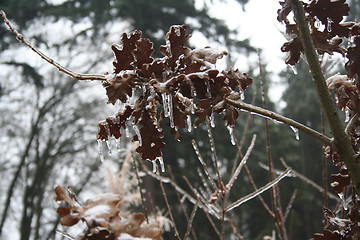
(168, 113)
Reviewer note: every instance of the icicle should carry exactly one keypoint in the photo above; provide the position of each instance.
(192, 106)
(207, 83)
(152, 91)
(107, 129)
(143, 89)
(127, 132)
(118, 145)
(212, 120)
(293, 69)
(329, 22)
(137, 131)
(171, 110)
(161, 162)
(317, 22)
(165, 104)
(109, 146)
(154, 166)
(242, 94)
(192, 90)
(343, 200)
(100, 150)
(188, 122)
(347, 115)
(296, 131)
(232, 136)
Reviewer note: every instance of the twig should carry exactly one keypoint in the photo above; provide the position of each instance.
(191, 219)
(169, 209)
(350, 125)
(49, 60)
(204, 165)
(259, 196)
(213, 151)
(341, 139)
(181, 202)
(140, 188)
(205, 207)
(307, 180)
(275, 116)
(241, 164)
(288, 208)
(257, 192)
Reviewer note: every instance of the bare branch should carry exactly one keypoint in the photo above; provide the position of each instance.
(49, 60)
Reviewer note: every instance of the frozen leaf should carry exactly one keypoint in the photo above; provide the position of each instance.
(295, 49)
(325, 9)
(230, 115)
(284, 11)
(142, 53)
(120, 87)
(341, 181)
(175, 47)
(327, 235)
(207, 54)
(150, 134)
(123, 53)
(62, 195)
(353, 64)
(237, 78)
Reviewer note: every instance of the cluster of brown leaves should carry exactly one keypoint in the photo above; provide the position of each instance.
(102, 218)
(182, 83)
(327, 30)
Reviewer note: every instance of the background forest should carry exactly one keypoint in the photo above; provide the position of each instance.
(48, 121)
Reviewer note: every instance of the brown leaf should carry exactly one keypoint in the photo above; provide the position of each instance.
(151, 135)
(142, 53)
(353, 64)
(123, 54)
(295, 49)
(69, 220)
(341, 181)
(328, 9)
(120, 87)
(175, 47)
(62, 195)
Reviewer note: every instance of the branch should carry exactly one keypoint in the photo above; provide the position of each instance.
(341, 140)
(275, 116)
(49, 60)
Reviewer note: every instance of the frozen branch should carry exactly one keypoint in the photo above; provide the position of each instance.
(275, 116)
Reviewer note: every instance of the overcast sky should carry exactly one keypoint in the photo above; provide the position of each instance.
(258, 22)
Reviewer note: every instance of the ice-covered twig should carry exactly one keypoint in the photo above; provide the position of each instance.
(257, 192)
(49, 60)
(241, 164)
(169, 209)
(204, 165)
(191, 219)
(289, 206)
